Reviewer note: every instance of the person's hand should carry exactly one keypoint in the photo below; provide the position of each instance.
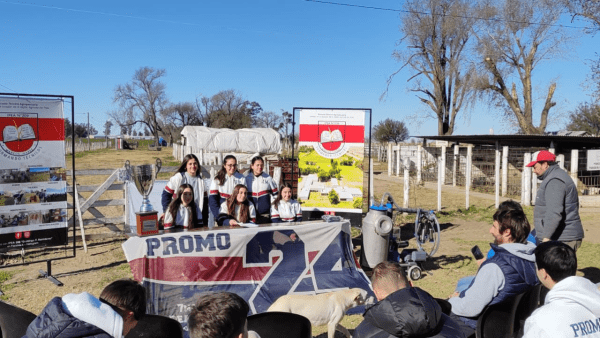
(455, 294)
(545, 239)
(233, 223)
(480, 261)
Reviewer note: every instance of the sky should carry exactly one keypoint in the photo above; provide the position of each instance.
(279, 53)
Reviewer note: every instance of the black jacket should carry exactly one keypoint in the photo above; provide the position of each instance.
(408, 312)
(54, 322)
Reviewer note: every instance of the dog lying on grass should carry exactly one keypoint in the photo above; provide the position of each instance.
(326, 308)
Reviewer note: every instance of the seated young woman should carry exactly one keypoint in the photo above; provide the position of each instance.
(183, 211)
(284, 208)
(237, 209)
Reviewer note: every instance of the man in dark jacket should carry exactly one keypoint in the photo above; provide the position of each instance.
(402, 310)
(556, 213)
(122, 303)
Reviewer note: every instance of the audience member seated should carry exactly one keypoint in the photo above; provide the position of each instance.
(219, 315)
(237, 209)
(284, 208)
(183, 210)
(572, 307)
(510, 272)
(121, 304)
(402, 310)
(464, 282)
(262, 190)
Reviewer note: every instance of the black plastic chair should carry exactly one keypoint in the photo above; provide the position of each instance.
(445, 305)
(531, 300)
(498, 320)
(280, 324)
(155, 326)
(14, 320)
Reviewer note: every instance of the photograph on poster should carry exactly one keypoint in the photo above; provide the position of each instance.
(32, 175)
(18, 221)
(22, 194)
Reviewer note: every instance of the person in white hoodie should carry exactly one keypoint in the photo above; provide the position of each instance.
(572, 306)
(121, 305)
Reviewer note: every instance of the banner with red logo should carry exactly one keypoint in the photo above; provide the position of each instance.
(33, 196)
(259, 264)
(330, 159)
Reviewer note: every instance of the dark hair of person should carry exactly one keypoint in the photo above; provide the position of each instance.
(125, 294)
(509, 205)
(218, 315)
(557, 258)
(516, 221)
(389, 276)
(244, 206)
(256, 158)
(220, 177)
(279, 195)
(176, 203)
(183, 166)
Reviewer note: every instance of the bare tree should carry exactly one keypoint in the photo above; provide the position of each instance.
(227, 109)
(436, 35)
(269, 119)
(141, 100)
(518, 35)
(176, 116)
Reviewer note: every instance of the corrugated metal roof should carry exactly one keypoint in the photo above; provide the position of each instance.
(541, 141)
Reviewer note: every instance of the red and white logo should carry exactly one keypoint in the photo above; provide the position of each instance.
(18, 235)
(19, 134)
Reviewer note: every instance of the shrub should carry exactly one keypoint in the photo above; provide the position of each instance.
(333, 197)
(323, 175)
(357, 204)
(347, 162)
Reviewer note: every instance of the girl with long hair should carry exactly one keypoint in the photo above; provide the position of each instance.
(284, 208)
(223, 184)
(183, 211)
(189, 172)
(262, 189)
(237, 209)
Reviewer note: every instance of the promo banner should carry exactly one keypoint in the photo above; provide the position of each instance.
(259, 264)
(33, 196)
(330, 159)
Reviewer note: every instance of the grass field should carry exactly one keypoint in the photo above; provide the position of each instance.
(461, 229)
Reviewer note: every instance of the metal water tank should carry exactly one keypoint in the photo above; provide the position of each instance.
(376, 229)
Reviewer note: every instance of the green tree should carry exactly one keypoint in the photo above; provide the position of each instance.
(333, 197)
(389, 130)
(357, 204)
(68, 128)
(585, 117)
(323, 175)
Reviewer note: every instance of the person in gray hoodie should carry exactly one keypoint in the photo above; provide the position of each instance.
(556, 213)
(572, 306)
(509, 272)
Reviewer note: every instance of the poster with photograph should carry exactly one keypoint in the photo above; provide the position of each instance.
(330, 158)
(33, 187)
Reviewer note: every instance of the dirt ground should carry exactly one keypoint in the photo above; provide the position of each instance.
(105, 261)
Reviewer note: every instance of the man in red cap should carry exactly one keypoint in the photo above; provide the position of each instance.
(556, 213)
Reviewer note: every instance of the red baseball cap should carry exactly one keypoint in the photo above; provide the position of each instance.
(542, 156)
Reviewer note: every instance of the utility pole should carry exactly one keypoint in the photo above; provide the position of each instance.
(88, 133)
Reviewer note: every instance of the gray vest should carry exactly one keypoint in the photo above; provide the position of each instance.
(569, 228)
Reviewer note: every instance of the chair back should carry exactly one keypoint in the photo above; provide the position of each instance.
(531, 300)
(14, 320)
(155, 326)
(498, 320)
(280, 324)
(445, 305)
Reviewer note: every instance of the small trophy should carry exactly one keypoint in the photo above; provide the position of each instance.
(144, 176)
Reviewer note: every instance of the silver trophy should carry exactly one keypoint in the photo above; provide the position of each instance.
(144, 176)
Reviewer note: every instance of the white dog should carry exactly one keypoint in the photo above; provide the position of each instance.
(326, 308)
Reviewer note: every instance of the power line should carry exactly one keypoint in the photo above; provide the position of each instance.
(12, 90)
(454, 16)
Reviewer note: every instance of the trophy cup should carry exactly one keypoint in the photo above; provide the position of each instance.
(144, 176)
